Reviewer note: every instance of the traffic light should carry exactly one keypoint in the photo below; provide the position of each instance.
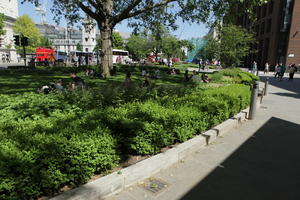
(24, 41)
(17, 40)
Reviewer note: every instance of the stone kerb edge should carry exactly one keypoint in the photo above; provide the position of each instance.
(117, 181)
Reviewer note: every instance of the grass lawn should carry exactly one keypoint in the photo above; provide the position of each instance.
(20, 81)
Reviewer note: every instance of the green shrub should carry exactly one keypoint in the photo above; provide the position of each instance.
(49, 141)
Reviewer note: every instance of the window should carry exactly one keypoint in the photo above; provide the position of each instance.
(86, 39)
(86, 49)
(264, 10)
(262, 28)
(269, 26)
(258, 12)
(266, 49)
(257, 30)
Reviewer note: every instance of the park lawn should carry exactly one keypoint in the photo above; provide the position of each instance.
(14, 81)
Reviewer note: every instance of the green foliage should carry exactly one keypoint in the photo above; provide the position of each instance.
(235, 44)
(211, 49)
(117, 41)
(26, 27)
(231, 46)
(79, 47)
(49, 141)
(45, 42)
(137, 46)
(2, 25)
(234, 75)
(172, 47)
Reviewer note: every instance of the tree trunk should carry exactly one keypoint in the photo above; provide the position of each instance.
(106, 48)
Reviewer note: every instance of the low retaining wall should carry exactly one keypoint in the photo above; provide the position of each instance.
(117, 181)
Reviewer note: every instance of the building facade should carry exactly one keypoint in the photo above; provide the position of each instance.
(10, 10)
(63, 39)
(277, 32)
(88, 35)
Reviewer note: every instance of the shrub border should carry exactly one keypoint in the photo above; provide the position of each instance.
(117, 181)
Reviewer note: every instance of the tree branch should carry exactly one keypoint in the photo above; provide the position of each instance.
(93, 3)
(127, 15)
(126, 11)
(88, 11)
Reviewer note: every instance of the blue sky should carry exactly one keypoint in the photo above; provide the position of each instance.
(185, 30)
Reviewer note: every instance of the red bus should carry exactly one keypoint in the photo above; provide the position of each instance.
(45, 53)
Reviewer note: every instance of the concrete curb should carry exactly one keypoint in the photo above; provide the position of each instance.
(117, 181)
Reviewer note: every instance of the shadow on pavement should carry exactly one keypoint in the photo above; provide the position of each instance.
(265, 167)
(292, 86)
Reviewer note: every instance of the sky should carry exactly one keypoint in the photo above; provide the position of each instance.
(185, 30)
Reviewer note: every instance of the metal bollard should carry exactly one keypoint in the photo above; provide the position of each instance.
(266, 86)
(254, 93)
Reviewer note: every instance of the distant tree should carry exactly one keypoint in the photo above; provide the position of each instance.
(211, 49)
(156, 34)
(79, 47)
(173, 47)
(231, 46)
(45, 42)
(137, 46)
(2, 24)
(235, 44)
(26, 27)
(117, 41)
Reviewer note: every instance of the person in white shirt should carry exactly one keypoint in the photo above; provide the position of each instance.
(267, 66)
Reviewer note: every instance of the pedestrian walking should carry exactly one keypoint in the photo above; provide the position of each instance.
(3, 58)
(277, 71)
(282, 71)
(19, 58)
(254, 68)
(292, 71)
(267, 67)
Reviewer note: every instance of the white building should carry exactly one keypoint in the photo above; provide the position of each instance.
(88, 35)
(10, 9)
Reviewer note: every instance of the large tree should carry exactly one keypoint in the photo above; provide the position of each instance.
(137, 45)
(173, 47)
(231, 46)
(108, 13)
(24, 26)
(211, 49)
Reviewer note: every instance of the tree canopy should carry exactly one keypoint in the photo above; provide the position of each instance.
(26, 27)
(231, 46)
(117, 41)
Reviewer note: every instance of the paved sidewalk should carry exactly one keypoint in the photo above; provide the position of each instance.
(258, 161)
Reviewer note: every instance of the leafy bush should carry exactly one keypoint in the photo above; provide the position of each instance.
(49, 141)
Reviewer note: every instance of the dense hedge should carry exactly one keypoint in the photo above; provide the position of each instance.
(236, 75)
(48, 141)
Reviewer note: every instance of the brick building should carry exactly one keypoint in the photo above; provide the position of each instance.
(277, 31)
